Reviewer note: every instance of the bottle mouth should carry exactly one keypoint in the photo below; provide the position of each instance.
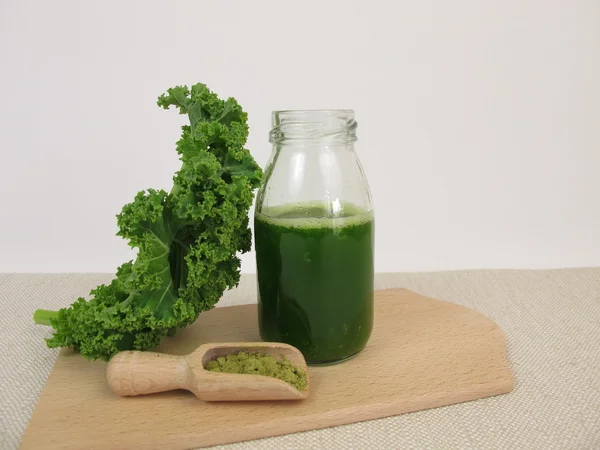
(326, 125)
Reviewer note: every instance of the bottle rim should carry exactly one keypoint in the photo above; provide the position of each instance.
(328, 125)
(318, 110)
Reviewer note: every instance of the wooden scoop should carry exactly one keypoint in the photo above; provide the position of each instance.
(138, 373)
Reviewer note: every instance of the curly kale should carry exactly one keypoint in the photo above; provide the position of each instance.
(187, 239)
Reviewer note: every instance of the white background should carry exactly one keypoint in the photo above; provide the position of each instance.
(479, 121)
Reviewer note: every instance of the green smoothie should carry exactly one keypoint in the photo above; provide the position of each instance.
(315, 279)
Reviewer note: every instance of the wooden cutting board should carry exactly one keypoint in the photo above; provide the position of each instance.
(423, 353)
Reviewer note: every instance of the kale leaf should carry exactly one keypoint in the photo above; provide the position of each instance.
(187, 240)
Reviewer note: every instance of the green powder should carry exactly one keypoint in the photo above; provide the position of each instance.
(259, 364)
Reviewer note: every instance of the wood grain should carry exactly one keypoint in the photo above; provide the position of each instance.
(423, 354)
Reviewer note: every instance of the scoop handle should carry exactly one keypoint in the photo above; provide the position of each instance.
(138, 373)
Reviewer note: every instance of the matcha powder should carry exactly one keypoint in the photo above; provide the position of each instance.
(259, 364)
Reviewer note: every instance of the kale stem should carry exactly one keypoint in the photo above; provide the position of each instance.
(177, 262)
(182, 264)
(43, 316)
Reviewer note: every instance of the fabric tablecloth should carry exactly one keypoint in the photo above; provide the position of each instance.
(551, 320)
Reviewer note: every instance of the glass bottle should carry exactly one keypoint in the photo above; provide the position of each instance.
(314, 238)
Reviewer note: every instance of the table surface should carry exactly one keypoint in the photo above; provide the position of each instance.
(551, 319)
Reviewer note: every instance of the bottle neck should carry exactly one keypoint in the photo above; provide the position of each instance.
(314, 128)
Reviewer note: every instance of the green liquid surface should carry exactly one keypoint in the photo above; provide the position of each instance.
(315, 279)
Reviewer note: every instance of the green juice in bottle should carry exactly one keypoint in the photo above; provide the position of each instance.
(315, 279)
